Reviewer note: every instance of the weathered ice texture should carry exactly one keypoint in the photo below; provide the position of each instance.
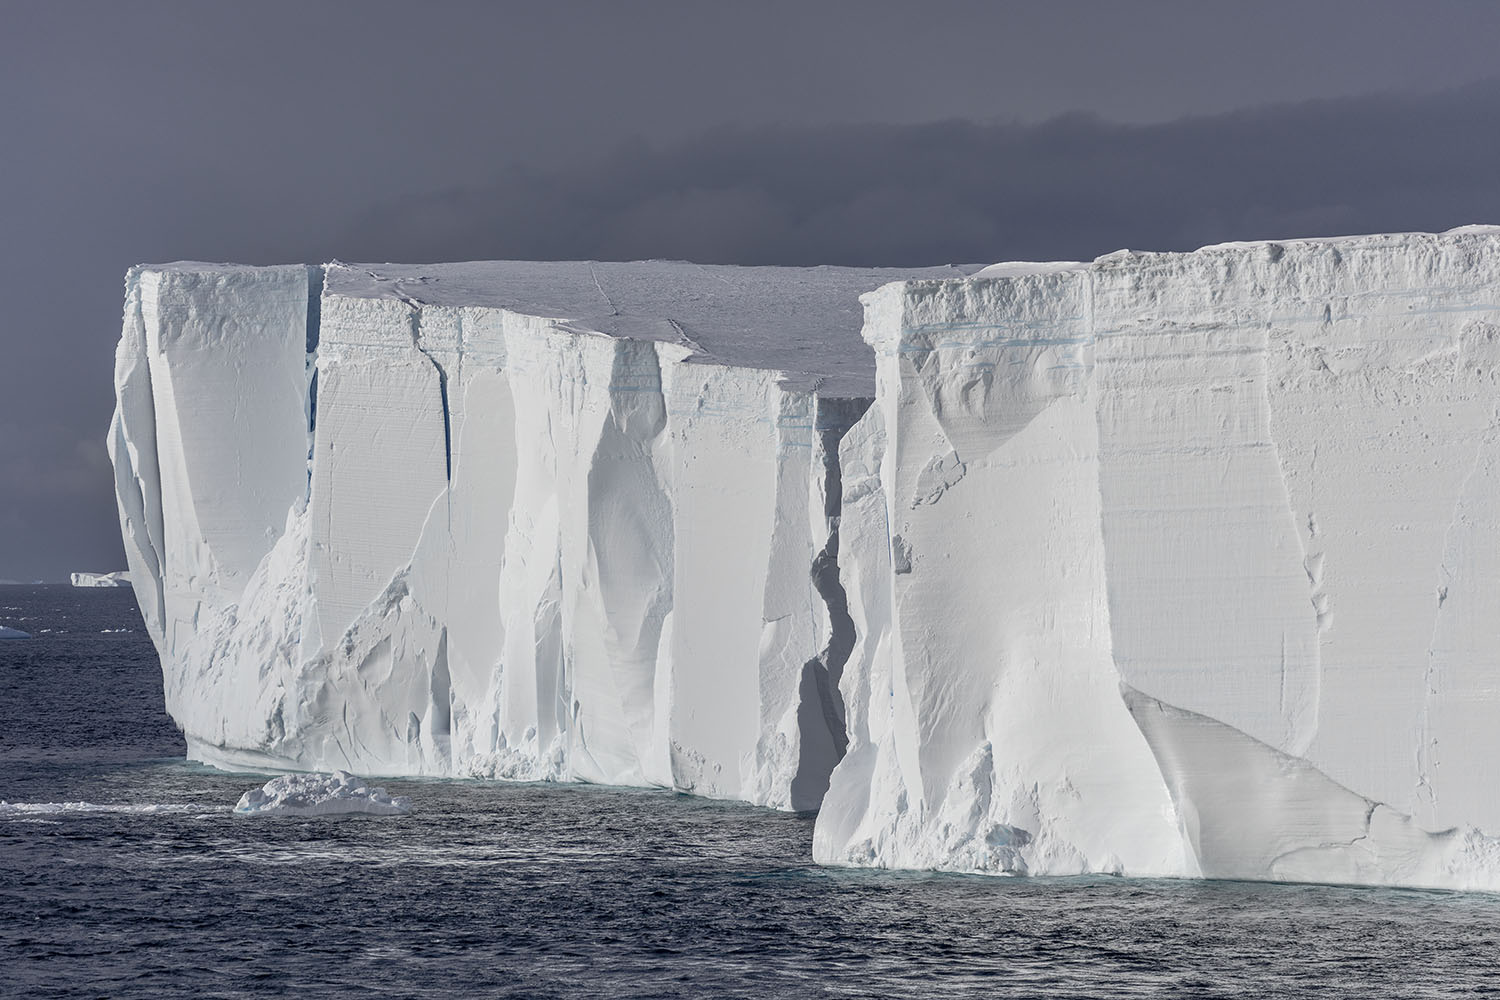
(1179, 564)
(532, 521)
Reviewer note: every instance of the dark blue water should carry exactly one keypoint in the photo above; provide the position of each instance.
(529, 891)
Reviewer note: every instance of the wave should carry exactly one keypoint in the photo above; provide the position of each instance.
(95, 808)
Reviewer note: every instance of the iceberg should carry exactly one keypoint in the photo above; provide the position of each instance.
(562, 521)
(1161, 564)
(119, 579)
(336, 794)
(1180, 564)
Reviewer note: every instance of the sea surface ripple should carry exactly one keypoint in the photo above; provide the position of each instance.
(123, 874)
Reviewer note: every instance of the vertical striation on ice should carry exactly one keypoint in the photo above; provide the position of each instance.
(534, 521)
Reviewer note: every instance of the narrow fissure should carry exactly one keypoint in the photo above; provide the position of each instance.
(315, 279)
(822, 673)
(442, 374)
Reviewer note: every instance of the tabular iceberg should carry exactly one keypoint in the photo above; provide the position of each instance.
(533, 521)
(1180, 564)
(1164, 564)
(119, 579)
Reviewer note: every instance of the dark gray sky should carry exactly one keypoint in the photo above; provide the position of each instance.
(853, 133)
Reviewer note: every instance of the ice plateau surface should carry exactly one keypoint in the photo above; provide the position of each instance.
(560, 521)
(1163, 564)
(1180, 564)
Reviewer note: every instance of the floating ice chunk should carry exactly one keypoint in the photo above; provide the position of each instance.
(13, 633)
(336, 794)
(120, 578)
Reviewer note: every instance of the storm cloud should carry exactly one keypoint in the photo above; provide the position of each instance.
(781, 134)
(1070, 188)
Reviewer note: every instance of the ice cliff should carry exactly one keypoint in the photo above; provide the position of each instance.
(1180, 564)
(1173, 564)
(532, 521)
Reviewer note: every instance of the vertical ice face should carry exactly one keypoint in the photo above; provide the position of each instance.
(209, 443)
(560, 521)
(1177, 563)
(987, 729)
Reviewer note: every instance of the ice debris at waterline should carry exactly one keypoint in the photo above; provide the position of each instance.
(7, 632)
(119, 579)
(336, 794)
(1165, 564)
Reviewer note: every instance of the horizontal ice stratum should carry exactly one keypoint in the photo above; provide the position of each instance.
(1165, 564)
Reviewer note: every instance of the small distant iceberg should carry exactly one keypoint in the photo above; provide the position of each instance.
(13, 633)
(118, 579)
(336, 794)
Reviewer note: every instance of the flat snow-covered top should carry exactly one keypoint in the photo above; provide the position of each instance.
(1022, 268)
(801, 320)
(214, 267)
(1372, 238)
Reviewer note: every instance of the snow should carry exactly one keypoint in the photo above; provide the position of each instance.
(1163, 564)
(336, 794)
(1020, 268)
(118, 579)
(13, 633)
(803, 322)
(1180, 564)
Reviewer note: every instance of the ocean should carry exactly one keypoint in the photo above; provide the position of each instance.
(123, 873)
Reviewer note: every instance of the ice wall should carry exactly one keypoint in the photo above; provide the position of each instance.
(532, 521)
(1180, 563)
